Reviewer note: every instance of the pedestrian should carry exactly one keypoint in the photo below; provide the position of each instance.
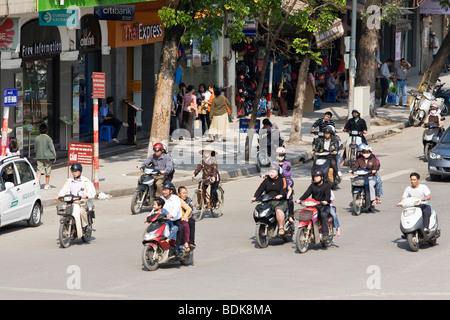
(189, 110)
(106, 117)
(13, 149)
(218, 116)
(45, 155)
(401, 73)
(203, 96)
(434, 44)
(282, 96)
(384, 81)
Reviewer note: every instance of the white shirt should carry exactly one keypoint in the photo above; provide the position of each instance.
(435, 43)
(173, 205)
(384, 70)
(421, 191)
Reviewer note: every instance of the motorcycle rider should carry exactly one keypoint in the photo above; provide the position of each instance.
(368, 161)
(434, 116)
(163, 162)
(320, 190)
(356, 124)
(421, 191)
(327, 143)
(322, 123)
(79, 186)
(275, 185)
(173, 206)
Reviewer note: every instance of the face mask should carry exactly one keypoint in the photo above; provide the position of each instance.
(366, 155)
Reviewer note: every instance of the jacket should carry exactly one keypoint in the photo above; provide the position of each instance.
(88, 186)
(318, 192)
(272, 187)
(371, 164)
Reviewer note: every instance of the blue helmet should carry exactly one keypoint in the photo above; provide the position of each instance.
(361, 147)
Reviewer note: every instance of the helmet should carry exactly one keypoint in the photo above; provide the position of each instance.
(361, 147)
(329, 129)
(367, 148)
(76, 167)
(357, 111)
(318, 173)
(158, 147)
(170, 186)
(434, 105)
(281, 150)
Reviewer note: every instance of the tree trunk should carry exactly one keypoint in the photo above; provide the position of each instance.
(432, 74)
(165, 81)
(367, 57)
(297, 113)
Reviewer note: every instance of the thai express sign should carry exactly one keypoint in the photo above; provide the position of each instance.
(335, 31)
(9, 34)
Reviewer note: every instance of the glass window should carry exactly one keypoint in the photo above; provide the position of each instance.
(25, 172)
(7, 174)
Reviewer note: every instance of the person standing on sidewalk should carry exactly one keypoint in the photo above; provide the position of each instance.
(45, 155)
(434, 44)
(106, 117)
(384, 81)
(401, 73)
(189, 110)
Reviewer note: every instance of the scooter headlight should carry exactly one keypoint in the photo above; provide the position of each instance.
(435, 156)
(408, 212)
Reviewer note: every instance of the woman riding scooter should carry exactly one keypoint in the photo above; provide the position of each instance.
(368, 161)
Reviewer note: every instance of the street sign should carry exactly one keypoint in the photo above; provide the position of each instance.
(10, 97)
(119, 13)
(245, 123)
(98, 85)
(82, 153)
(59, 18)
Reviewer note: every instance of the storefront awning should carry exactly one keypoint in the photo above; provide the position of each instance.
(44, 5)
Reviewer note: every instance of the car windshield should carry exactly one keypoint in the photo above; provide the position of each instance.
(446, 137)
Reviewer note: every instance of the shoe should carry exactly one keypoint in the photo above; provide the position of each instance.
(47, 187)
(125, 124)
(339, 174)
(384, 106)
(115, 140)
(426, 230)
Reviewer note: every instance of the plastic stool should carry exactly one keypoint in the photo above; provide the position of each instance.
(106, 133)
(331, 96)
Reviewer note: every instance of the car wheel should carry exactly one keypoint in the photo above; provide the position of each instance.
(35, 217)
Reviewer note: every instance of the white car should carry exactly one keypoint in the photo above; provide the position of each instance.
(20, 194)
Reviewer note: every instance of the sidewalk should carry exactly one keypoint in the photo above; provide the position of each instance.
(118, 174)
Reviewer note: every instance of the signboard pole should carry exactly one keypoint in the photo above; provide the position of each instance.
(4, 130)
(269, 96)
(96, 145)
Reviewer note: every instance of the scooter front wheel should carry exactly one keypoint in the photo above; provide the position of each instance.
(148, 258)
(262, 238)
(65, 231)
(302, 240)
(357, 204)
(413, 241)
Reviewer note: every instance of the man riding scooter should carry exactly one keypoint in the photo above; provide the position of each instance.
(327, 143)
(320, 190)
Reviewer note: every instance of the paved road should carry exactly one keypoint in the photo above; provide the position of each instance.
(369, 261)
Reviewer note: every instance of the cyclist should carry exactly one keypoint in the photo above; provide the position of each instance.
(210, 176)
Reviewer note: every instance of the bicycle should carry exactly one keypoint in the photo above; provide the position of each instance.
(202, 200)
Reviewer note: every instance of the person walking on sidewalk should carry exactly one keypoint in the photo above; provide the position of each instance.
(384, 81)
(106, 117)
(189, 111)
(401, 73)
(45, 155)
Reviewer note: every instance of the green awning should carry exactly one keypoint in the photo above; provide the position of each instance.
(44, 5)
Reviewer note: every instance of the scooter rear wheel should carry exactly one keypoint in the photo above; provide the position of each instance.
(301, 240)
(148, 260)
(357, 204)
(137, 202)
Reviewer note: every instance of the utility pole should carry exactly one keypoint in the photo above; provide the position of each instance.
(352, 73)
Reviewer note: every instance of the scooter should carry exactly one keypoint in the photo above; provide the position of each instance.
(70, 222)
(267, 224)
(322, 162)
(351, 146)
(360, 192)
(411, 224)
(145, 191)
(157, 246)
(309, 230)
(418, 111)
(431, 130)
(444, 94)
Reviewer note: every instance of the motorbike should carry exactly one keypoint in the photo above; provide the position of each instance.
(145, 191)
(157, 248)
(419, 109)
(70, 222)
(309, 230)
(322, 162)
(444, 94)
(429, 142)
(351, 146)
(267, 224)
(411, 224)
(360, 192)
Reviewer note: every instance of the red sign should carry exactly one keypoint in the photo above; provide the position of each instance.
(82, 153)
(98, 85)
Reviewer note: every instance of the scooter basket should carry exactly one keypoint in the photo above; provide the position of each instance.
(358, 181)
(303, 215)
(64, 210)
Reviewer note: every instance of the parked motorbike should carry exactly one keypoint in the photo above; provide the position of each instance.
(429, 142)
(351, 146)
(360, 192)
(145, 191)
(266, 223)
(444, 94)
(419, 109)
(157, 248)
(411, 224)
(309, 230)
(322, 162)
(70, 222)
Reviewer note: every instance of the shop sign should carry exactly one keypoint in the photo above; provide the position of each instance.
(9, 34)
(98, 85)
(120, 13)
(10, 97)
(88, 36)
(64, 4)
(63, 18)
(40, 48)
(334, 32)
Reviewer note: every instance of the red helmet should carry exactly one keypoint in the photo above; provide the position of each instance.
(158, 147)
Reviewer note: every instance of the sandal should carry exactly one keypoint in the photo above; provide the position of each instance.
(187, 248)
(281, 232)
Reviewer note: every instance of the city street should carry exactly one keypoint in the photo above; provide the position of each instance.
(369, 261)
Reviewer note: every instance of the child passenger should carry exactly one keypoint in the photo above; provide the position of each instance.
(158, 208)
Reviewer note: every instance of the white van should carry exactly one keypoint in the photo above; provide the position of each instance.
(20, 193)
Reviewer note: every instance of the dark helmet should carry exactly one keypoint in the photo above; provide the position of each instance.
(76, 167)
(319, 173)
(170, 186)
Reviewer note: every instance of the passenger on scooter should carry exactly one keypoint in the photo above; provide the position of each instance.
(286, 169)
(421, 191)
(158, 208)
(161, 161)
(368, 161)
(322, 123)
(183, 194)
(79, 186)
(173, 205)
(434, 116)
(356, 124)
(275, 185)
(320, 190)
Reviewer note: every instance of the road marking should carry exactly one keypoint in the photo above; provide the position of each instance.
(66, 292)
